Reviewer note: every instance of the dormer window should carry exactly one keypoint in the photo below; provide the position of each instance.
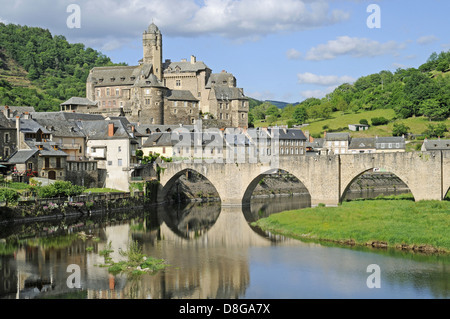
(113, 79)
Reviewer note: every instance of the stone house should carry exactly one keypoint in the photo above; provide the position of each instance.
(390, 144)
(362, 145)
(337, 143)
(114, 147)
(8, 138)
(435, 145)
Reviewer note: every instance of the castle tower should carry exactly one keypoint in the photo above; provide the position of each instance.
(152, 43)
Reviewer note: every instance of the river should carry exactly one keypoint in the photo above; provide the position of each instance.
(211, 252)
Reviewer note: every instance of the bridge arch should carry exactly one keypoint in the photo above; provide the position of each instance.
(257, 179)
(350, 180)
(171, 182)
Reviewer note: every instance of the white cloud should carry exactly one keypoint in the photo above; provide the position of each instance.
(317, 93)
(235, 19)
(293, 54)
(355, 47)
(325, 80)
(427, 39)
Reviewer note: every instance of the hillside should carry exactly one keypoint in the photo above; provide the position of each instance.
(41, 70)
(417, 98)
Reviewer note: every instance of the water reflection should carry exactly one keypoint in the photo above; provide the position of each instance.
(213, 252)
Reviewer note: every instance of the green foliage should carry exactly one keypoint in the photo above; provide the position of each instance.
(400, 129)
(57, 67)
(8, 196)
(363, 121)
(437, 130)
(60, 189)
(379, 121)
(300, 115)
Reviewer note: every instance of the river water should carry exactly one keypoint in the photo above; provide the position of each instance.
(212, 252)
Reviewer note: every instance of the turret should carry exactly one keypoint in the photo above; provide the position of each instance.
(152, 43)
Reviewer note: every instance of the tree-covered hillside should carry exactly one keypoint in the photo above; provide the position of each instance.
(424, 91)
(51, 69)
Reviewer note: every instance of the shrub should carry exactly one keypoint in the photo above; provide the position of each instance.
(363, 121)
(60, 189)
(8, 196)
(379, 121)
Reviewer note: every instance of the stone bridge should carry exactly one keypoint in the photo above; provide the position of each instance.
(327, 177)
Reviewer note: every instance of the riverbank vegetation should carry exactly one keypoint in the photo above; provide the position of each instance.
(136, 263)
(405, 224)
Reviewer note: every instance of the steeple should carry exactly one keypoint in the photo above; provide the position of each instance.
(152, 43)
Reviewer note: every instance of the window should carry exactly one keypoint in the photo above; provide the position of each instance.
(147, 91)
(185, 104)
(227, 106)
(174, 111)
(397, 145)
(221, 106)
(107, 92)
(109, 163)
(30, 166)
(119, 162)
(178, 83)
(58, 162)
(117, 92)
(390, 145)
(6, 152)
(6, 137)
(119, 149)
(342, 143)
(98, 93)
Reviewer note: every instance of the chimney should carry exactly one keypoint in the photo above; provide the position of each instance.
(26, 116)
(6, 111)
(18, 131)
(193, 59)
(110, 129)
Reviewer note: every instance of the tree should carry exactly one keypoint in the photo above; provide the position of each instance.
(300, 115)
(400, 129)
(432, 109)
(273, 110)
(437, 130)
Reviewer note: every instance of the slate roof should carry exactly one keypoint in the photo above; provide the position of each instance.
(185, 66)
(228, 93)
(21, 156)
(289, 134)
(154, 128)
(57, 124)
(122, 75)
(362, 143)
(4, 122)
(436, 145)
(219, 78)
(19, 110)
(98, 130)
(181, 95)
(31, 126)
(79, 101)
(337, 137)
(390, 139)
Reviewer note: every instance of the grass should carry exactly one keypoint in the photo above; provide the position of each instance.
(394, 223)
(339, 120)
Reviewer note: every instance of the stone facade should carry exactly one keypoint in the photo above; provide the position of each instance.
(157, 92)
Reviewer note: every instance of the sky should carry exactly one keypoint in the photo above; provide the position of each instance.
(283, 50)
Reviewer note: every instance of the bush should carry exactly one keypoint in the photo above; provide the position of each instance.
(8, 196)
(60, 189)
(379, 121)
(363, 121)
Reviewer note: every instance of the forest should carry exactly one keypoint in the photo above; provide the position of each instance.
(56, 69)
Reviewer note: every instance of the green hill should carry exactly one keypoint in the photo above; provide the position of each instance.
(41, 70)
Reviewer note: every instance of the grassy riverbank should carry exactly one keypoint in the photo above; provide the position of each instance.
(405, 224)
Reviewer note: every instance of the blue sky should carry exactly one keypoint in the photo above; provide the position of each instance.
(285, 50)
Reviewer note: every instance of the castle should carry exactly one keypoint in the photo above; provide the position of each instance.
(157, 92)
